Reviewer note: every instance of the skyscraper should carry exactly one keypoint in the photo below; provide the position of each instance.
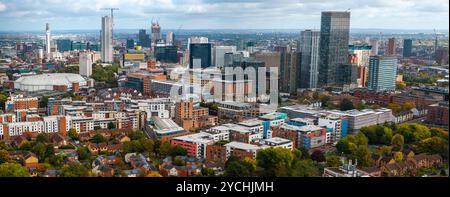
(407, 47)
(106, 40)
(144, 39)
(200, 51)
(391, 48)
(169, 38)
(156, 32)
(374, 44)
(86, 60)
(48, 38)
(382, 73)
(309, 48)
(219, 54)
(333, 48)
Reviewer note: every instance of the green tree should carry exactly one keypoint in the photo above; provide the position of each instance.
(74, 170)
(433, 145)
(164, 149)
(4, 157)
(98, 138)
(73, 134)
(43, 102)
(40, 150)
(304, 168)
(43, 138)
(275, 161)
(397, 140)
(177, 151)
(83, 153)
(13, 170)
(208, 172)
(333, 161)
(235, 167)
(317, 155)
(346, 104)
(396, 108)
(3, 99)
(136, 135)
(363, 155)
(111, 125)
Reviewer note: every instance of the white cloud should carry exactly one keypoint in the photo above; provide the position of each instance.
(229, 13)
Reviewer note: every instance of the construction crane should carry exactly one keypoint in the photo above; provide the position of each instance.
(112, 11)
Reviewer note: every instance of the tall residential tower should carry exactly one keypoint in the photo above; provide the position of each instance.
(333, 48)
(106, 40)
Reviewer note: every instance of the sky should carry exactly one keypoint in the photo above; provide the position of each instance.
(23, 15)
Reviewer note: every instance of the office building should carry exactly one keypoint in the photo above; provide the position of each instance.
(200, 52)
(374, 45)
(333, 48)
(391, 47)
(382, 73)
(166, 54)
(144, 39)
(359, 55)
(219, 54)
(309, 49)
(130, 44)
(407, 48)
(86, 60)
(106, 40)
(64, 45)
(170, 38)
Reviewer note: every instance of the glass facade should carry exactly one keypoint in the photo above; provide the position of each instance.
(64, 45)
(166, 54)
(202, 52)
(407, 47)
(382, 73)
(333, 48)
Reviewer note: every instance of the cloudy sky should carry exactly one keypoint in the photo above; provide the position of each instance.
(221, 14)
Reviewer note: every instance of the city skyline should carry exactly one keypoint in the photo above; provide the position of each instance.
(234, 14)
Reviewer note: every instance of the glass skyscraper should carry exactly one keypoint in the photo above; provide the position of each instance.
(382, 73)
(202, 52)
(309, 48)
(407, 47)
(333, 48)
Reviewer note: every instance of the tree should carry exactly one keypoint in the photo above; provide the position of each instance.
(4, 157)
(98, 138)
(74, 170)
(333, 161)
(304, 168)
(346, 104)
(396, 108)
(413, 132)
(275, 161)
(363, 155)
(40, 149)
(43, 102)
(43, 138)
(398, 156)
(177, 151)
(400, 85)
(3, 99)
(111, 125)
(164, 149)
(238, 168)
(147, 145)
(433, 145)
(136, 135)
(208, 172)
(408, 106)
(318, 156)
(25, 146)
(73, 134)
(377, 134)
(397, 140)
(154, 174)
(56, 160)
(361, 106)
(83, 153)
(13, 170)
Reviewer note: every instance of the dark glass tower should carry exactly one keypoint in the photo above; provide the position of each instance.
(333, 48)
(144, 39)
(202, 52)
(407, 47)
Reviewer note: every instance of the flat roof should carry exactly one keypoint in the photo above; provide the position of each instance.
(278, 140)
(201, 137)
(243, 146)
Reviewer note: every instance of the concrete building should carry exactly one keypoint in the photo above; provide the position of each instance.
(86, 60)
(48, 40)
(106, 39)
(391, 47)
(219, 54)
